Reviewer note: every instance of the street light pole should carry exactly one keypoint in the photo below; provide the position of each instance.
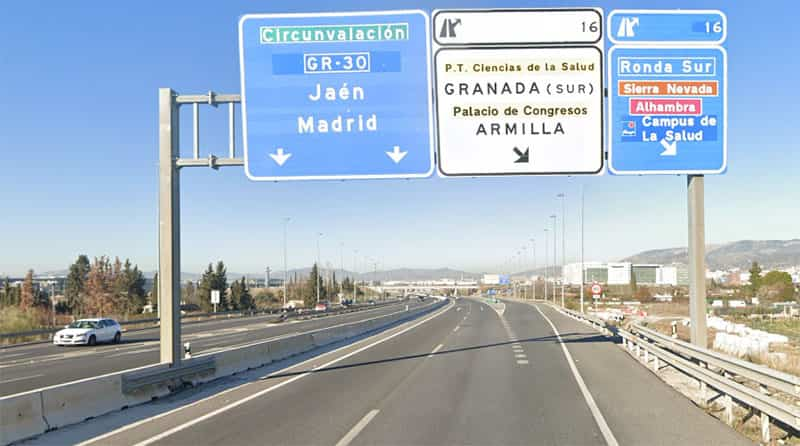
(583, 270)
(546, 260)
(555, 255)
(285, 267)
(355, 269)
(563, 197)
(533, 247)
(319, 235)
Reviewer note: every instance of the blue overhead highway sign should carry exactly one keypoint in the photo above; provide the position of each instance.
(336, 95)
(667, 100)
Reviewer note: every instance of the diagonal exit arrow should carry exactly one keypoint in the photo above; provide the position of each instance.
(670, 148)
(523, 156)
(280, 157)
(396, 155)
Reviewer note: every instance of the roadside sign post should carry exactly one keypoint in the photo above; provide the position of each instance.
(597, 291)
(519, 92)
(668, 114)
(336, 95)
(215, 299)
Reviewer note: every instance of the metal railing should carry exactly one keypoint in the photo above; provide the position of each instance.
(738, 382)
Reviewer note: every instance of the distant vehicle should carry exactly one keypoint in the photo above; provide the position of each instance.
(371, 302)
(89, 332)
(188, 308)
(321, 307)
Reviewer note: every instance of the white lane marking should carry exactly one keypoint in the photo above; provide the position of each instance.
(438, 347)
(598, 416)
(481, 307)
(522, 361)
(358, 428)
(254, 395)
(456, 329)
(520, 356)
(20, 379)
(132, 352)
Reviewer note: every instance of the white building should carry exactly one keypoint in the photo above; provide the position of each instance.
(572, 272)
(667, 275)
(619, 273)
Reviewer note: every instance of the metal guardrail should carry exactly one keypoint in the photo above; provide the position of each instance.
(713, 370)
(210, 316)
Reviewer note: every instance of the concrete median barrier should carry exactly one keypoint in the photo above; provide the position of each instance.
(240, 359)
(28, 414)
(21, 416)
(290, 346)
(74, 402)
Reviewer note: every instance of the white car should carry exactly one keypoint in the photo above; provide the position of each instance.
(89, 332)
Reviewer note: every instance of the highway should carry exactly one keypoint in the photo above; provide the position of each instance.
(471, 373)
(38, 365)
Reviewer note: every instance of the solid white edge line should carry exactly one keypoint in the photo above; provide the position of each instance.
(438, 347)
(6, 381)
(358, 428)
(264, 391)
(598, 416)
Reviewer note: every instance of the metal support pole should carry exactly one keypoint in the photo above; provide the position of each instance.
(169, 246)
(697, 269)
(563, 244)
(546, 263)
(583, 267)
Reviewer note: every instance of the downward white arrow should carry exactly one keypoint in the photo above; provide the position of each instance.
(396, 155)
(280, 157)
(670, 148)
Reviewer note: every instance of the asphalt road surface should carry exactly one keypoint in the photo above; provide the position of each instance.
(471, 373)
(33, 366)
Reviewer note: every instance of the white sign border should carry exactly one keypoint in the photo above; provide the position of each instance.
(431, 124)
(611, 89)
(598, 42)
(662, 43)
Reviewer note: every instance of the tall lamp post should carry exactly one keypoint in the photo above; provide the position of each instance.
(533, 252)
(319, 235)
(285, 267)
(563, 198)
(555, 255)
(546, 261)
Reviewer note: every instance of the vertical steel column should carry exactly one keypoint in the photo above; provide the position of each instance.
(169, 244)
(697, 269)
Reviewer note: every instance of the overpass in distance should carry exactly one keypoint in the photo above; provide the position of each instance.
(468, 372)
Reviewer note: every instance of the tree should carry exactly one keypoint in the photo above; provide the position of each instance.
(213, 279)
(310, 298)
(633, 282)
(755, 277)
(26, 298)
(220, 282)
(189, 293)
(10, 294)
(204, 289)
(777, 278)
(75, 288)
(240, 296)
(99, 294)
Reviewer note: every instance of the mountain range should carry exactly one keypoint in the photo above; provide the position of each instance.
(770, 254)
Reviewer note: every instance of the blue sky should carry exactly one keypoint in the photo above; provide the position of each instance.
(78, 119)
